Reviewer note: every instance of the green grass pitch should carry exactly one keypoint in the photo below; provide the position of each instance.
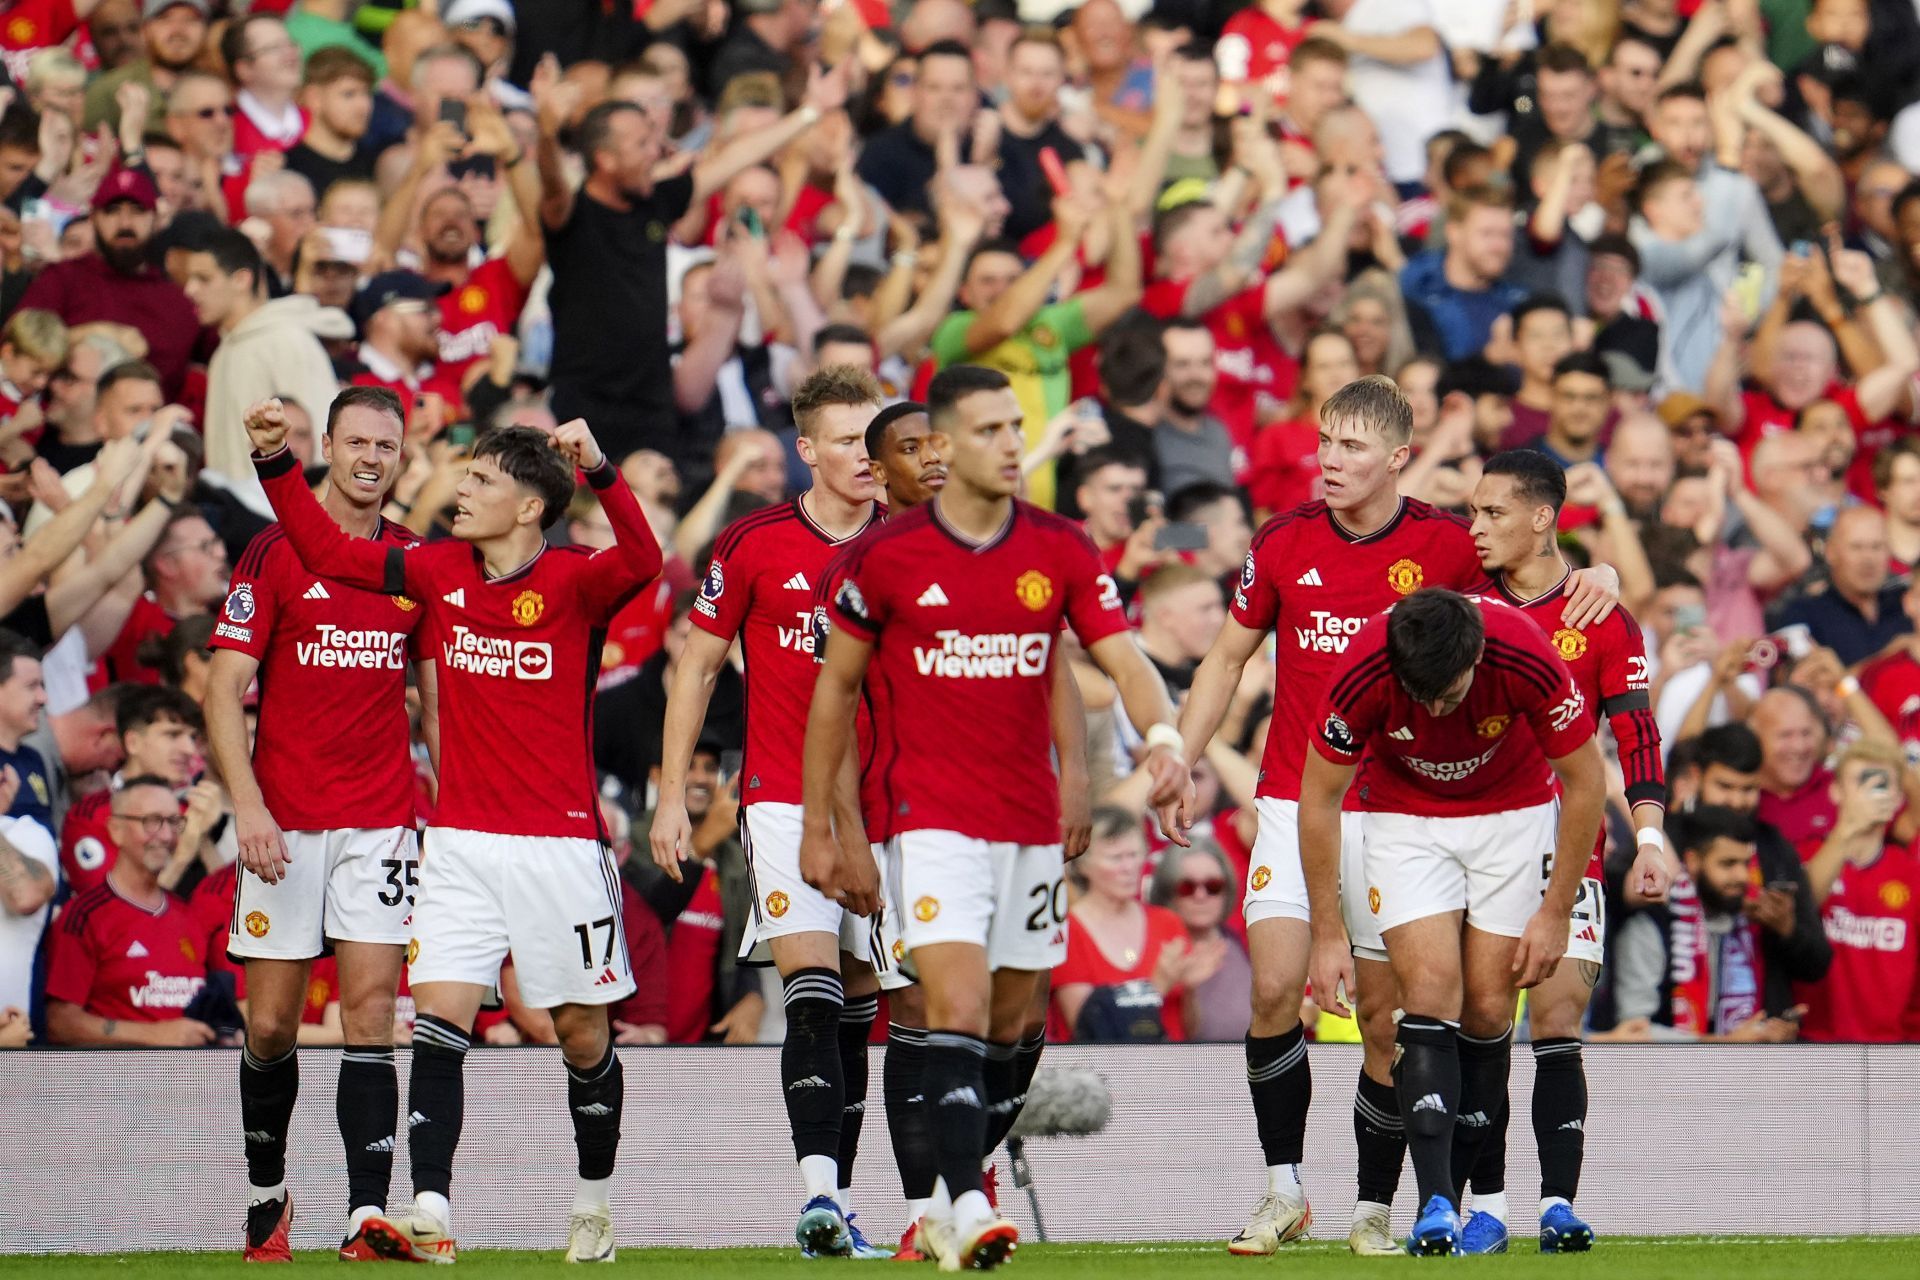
(1621, 1258)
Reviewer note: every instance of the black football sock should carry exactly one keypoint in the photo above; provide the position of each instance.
(901, 1076)
(1000, 1075)
(1282, 1086)
(1426, 1075)
(1381, 1137)
(1559, 1116)
(267, 1093)
(856, 1025)
(1026, 1062)
(436, 1102)
(810, 1073)
(956, 1085)
(595, 1095)
(367, 1106)
(1485, 1063)
(1490, 1165)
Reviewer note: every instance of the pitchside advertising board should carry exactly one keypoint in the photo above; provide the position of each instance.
(1681, 1140)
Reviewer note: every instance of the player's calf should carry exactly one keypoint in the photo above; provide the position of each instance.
(596, 1093)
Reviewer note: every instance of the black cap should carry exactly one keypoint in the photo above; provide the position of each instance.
(1478, 376)
(191, 229)
(390, 287)
(1831, 65)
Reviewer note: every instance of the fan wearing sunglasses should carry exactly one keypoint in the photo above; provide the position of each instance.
(1129, 966)
(1193, 884)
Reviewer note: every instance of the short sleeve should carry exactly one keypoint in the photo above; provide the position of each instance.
(1545, 693)
(1165, 298)
(949, 344)
(246, 616)
(71, 967)
(721, 607)
(1256, 596)
(674, 197)
(1351, 708)
(1069, 320)
(1094, 608)
(855, 604)
(34, 841)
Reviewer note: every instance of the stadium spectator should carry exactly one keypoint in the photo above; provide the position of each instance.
(158, 731)
(336, 101)
(1580, 397)
(23, 771)
(1860, 613)
(1129, 965)
(1181, 609)
(1197, 885)
(29, 877)
(1795, 784)
(1868, 886)
(129, 962)
(1461, 290)
(173, 35)
(1190, 444)
(265, 64)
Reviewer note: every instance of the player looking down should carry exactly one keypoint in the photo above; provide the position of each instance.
(517, 862)
(957, 607)
(1459, 717)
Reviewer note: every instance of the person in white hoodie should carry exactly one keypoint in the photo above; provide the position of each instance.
(268, 347)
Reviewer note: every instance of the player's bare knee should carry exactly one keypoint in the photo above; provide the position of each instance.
(857, 979)
(582, 1032)
(1487, 1013)
(907, 1007)
(271, 1032)
(1557, 1017)
(1276, 1001)
(368, 1018)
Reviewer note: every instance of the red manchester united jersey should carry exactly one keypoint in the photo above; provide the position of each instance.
(873, 695)
(333, 748)
(476, 313)
(963, 637)
(1314, 585)
(117, 960)
(1893, 682)
(517, 655)
(760, 588)
(1872, 919)
(1475, 761)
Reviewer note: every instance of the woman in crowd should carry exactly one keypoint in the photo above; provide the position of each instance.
(1199, 887)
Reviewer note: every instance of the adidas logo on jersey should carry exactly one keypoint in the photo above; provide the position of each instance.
(798, 582)
(1587, 935)
(595, 1109)
(456, 597)
(1311, 578)
(808, 1082)
(137, 951)
(383, 1146)
(415, 1118)
(1431, 1102)
(1401, 734)
(315, 592)
(932, 597)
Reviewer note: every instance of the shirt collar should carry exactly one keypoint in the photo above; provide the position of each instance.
(281, 126)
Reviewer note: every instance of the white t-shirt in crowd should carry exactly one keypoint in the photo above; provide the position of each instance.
(1408, 104)
(20, 935)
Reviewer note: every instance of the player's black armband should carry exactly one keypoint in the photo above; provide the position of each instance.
(277, 463)
(1647, 793)
(396, 572)
(1621, 703)
(603, 476)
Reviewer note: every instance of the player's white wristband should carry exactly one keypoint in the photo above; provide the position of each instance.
(1653, 836)
(1165, 735)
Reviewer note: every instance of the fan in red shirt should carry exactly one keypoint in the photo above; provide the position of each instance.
(1892, 681)
(958, 605)
(400, 327)
(1311, 580)
(128, 958)
(758, 592)
(515, 863)
(1458, 717)
(265, 65)
(157, 728)
(1213, 274)
(323, 809)
(1257, 42)
(1126, 957)
(186, 575)
(1516, 512)
(1869, 890)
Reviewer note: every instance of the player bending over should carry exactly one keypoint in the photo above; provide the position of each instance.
(1459, 716)
(516, 861)
(958, 606)
(323, 809)
(1313, 576)
(759, 590)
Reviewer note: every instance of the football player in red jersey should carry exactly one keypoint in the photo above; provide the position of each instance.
(1463, 717)
(759, 591)
(958, 606)
(1516, 511)
(323, 809)
(516, 861)
(1313, 577)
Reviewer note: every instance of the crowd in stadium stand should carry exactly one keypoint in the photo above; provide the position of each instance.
(1674, 245)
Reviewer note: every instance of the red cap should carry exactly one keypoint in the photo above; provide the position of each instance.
(126, 184)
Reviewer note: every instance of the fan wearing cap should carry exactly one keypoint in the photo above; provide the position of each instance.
(117, 284)
(173, 35)
(399, 327)
(485, 28)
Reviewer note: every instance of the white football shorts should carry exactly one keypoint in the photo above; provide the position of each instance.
(354, 885)
(784, 904)
(1488, 866)
(1009, 898)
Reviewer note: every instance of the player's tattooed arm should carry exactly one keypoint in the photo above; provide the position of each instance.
(26, 885)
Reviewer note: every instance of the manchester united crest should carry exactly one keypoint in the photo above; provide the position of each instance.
(1373, 899)
(527, 607)
(1895, 894)
(1571, 643)
(473, 300)
(404, 605)
(1405, 577)
(413, 950)
(1262, 877)
(258, 924)
(1493, 726)
(926, 909)
(1034, 589)
(776, 904)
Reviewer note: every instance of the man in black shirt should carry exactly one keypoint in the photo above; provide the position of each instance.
(337, 96)
(1030, 123)
(607, 243)
(766, 35)
(899, 162)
